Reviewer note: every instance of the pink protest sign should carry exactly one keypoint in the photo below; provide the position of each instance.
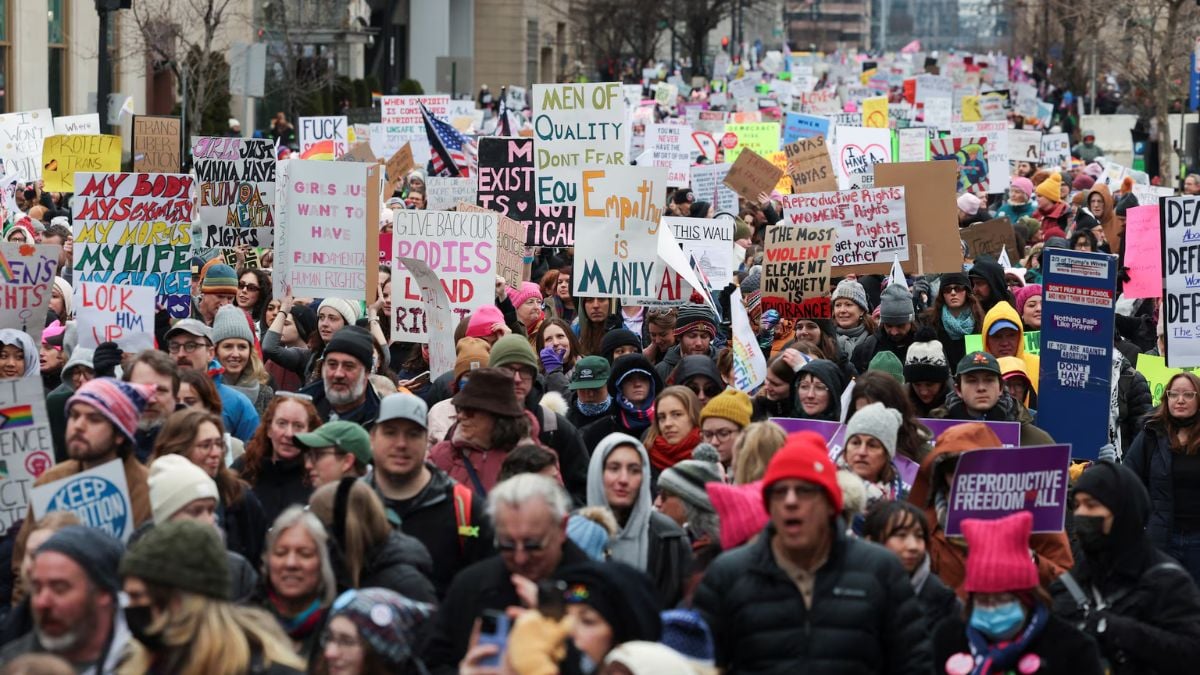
(1143, 252)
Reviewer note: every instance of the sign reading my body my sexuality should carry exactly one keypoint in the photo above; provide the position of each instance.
(576, 125)
(993, 483)
(1180, 224)
(136, 229)
(871, 224)
(26, 448)
(618, 211)
(236, 200)
(27, 273)
(506, 186)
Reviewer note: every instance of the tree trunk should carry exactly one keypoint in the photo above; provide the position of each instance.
(1162, 91)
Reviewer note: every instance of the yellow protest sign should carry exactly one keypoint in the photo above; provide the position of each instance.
(875, 112)
(761, 137)
(64, 155)
(1157, 374)
(779, 159)
(970, 109)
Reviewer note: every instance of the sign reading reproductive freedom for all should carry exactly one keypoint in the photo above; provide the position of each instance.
(618, 213)
(26, 449)
(993, 483)
(135, 229)
(236, 191)
(871, 224)
(576, 125)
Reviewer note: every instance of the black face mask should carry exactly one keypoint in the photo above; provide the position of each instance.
(139, 619)
(1090, 532)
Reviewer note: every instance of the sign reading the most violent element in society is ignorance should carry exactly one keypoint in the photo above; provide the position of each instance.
(871, 224)
(26, 449)
(997, 482)
(236, 195)
(460, 248)
(575, 125)
(136, 229)
(796, 267)
(618, 211)
(27, 273)
(1179, 219)
(99, 496)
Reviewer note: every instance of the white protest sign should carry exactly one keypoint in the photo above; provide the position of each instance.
(1056, 150)
(99, 496)
(438, 316)
(708, 184)
(668, 147)
(21, 137)
(616, 226)
(1024, 145)
(77, 124)
(1180, 219)
(679, 263)
(576, 125)
(323, 137)
(871, 224)
(710, 242)
(749, 364)
(236, 191)
(107, 312)
(445, 192)
(26, 286)
(856, 151)
(914, 144)
(28, 446)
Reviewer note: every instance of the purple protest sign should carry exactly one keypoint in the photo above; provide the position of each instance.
(1009, 433)
(791, 425)
(997, 482)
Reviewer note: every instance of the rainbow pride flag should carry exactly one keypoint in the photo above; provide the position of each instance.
(15, 417)
(320, 150)
(6, 272)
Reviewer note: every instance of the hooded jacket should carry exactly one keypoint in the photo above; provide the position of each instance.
(1007, 409)
(929, 492)
(993, 274)
(648, 540)
(614, 421)
(691, 366)
(12, 336)
(1004, 311)
(674, 357)
(830, 376)
(1152, 617)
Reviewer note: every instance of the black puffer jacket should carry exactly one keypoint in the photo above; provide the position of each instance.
(1151, 459)
(401, 564)
(880, 341)
(864, 616)
(1133, 403)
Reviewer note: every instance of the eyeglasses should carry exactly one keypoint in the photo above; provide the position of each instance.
(187, 347)
(314, 455)
(720, 435)
(243, 286)
(812, 388)
(954, 288)
(508, 546)
(780, 492)
(523, 372)
(1185, 395)
(708, 392)
(342, 640)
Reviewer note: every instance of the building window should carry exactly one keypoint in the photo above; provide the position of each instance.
(5, 55)
(531, 52)
(56, 63)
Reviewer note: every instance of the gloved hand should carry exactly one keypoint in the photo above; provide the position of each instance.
(1108, 451)
(552, 359)
(106, 359)
(723, 301)
(921, 293)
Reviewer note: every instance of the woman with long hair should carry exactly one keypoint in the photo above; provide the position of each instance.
(374, 631)
(254, 292)
(298, 581)
(913, 440)
(236, 348)
(199, 436)
(675, 431)
(368, 551)
(561, 303)
(559, 350)
(955, 314)
(273, 464)
(177, 581)
(753, 450)
(774, 398)
(851, 316)
(593, 322)
(285, 344)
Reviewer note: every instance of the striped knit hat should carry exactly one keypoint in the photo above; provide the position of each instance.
(752, 291)
(219, 278)
(692, 316)
(121, 402)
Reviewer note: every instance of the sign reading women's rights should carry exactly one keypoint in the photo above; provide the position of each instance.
(26, 449)
(114, 313)
(576, 125)
(26, 275)
(618, 213)
(506, 186)
(1075, 382)
(795, 279)
(997, 482)
(1179, 219)
(871, 224)
(99, 496)
(136, 229)
(236, 195)
(459, 247)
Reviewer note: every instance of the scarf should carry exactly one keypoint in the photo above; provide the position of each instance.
(664, 455)
(633, 416)
(853, 332)
(957, 326)
(593, 409)
(920, 575)
(1003, 656)
(300, 626)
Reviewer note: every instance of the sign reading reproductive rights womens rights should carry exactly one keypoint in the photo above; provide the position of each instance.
(575, 125)
(872, 225)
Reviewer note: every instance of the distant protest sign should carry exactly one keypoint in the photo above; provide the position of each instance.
(990, 238)
(157, 144)
(88, 123)
(997, 482)
(27, 274)
(510, 246)
(99, 496)
(327, 229)
(871, 224)
(236, 194)
(114, 313)
(64, 156)
(21, 136)
(324, 138)
(402, 123)
(752, 175)
(1056, 150)
(667, 145)
(971, 156)
(1179, 221)
(796, 265)
(398, 167)
(809, 167)
(995, 149)
(576, 125)
(460, 249)
(505, 181)
(1143, 252)
(708, 185)
(136, 229)
(858, 150)
(27, 443)
(912, 144)
(761, 137)
(710, 242)
(618, 213)
(1025, 145)
(437, 319)
(443, 193)
(797, 126)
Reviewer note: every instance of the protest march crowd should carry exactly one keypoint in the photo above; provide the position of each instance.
(813, 397)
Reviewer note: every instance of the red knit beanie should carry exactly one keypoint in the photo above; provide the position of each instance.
(804, 456)
(998, 559)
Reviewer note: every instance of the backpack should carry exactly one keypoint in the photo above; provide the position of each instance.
(463, 496)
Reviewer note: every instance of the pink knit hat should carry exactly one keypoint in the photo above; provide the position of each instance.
(998, 558)
(740, 510)
(528, 290)
(121, 402)
(1025, 292)
(482, 320)
(1023, 184)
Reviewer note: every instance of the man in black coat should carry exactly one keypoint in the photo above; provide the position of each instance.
(1141, 607)
(804, 598)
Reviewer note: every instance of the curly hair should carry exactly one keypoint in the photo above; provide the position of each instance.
(259, 448)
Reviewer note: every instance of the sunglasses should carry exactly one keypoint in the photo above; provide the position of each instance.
(243, 286)
(509, 546)
(710, 391)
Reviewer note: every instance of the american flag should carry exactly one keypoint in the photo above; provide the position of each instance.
(449, 155)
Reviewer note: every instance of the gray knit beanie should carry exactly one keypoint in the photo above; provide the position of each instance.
(231, 322)
(878, 421)
(852, 290)
(687, 479)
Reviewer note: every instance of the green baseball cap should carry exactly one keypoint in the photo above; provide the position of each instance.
(591, 372)
(976, 361)
(344, 436)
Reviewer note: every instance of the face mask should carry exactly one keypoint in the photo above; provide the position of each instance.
(593, 409)
(139, 619)
(1000, 622)
(1090, 531)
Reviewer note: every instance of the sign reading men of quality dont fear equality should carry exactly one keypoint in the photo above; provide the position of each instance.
(575, 125)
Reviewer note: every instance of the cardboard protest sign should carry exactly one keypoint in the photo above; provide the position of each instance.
(871, 225)
(576, 125)
(157, 144)
(136, 229)
(749, 363)
(761, 137)
(443, 193)
(990, 238)
(236, 191)
(619, 209)
(88, 123)
(857, 151)
(324, 138)
(1025, 145)
(708, 183)
(114, 313)
(809, 166)
(99, 496)
(667, 144)
(510, 246)
(28, 445)
(931, 214)
(437, 317)
(996, 150)
(1179, 222)
(709, 241)
(970, 154)
(752, 175)
(1143, 253)
(398, 167)
(796, 264)
(1056, 150)
(1078, 292)
(1009, 433)
(21, 137)
(460, 250)
(27, 274)
(797, 126)
(993, 483)
(327, 230)
(63, 156)
(779, 159)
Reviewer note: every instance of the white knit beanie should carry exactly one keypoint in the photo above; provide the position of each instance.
(878, 421)
(176, 482)
(348, 310)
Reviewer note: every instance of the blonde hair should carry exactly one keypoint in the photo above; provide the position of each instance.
(753, 450)
(686, 397)
(366, 525)
(211, 637)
